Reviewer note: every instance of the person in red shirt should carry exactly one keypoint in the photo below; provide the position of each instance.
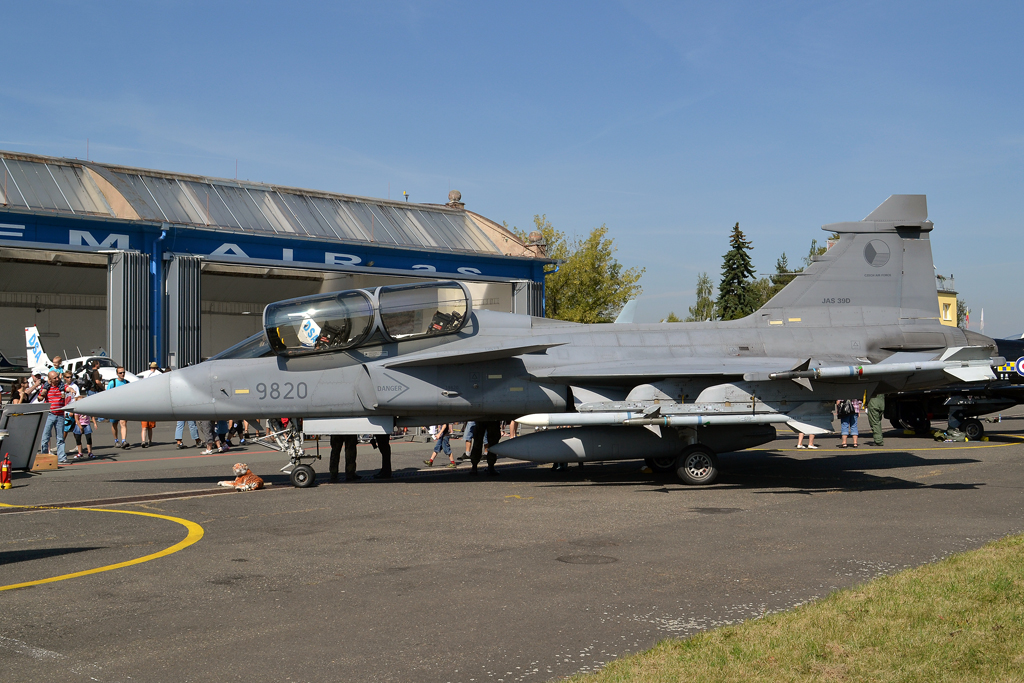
(53, 393)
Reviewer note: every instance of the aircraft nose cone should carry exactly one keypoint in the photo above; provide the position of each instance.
(145, 399)
(191, 392)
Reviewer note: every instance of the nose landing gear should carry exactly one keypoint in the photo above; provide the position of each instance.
(288, 439)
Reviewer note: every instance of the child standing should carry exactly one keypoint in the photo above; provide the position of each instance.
(83, 428)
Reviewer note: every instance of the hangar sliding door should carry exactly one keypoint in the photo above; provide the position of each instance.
(528, 298)
(183, 309)
(128, 309)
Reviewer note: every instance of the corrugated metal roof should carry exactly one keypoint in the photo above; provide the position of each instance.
(71, 186)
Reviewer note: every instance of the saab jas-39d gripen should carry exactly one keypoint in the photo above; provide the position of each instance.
(863, 318)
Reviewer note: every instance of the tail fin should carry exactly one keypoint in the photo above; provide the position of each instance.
(880, 271)
(34, 354)
(626, 314)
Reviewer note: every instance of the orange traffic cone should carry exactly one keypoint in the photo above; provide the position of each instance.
(5, 472)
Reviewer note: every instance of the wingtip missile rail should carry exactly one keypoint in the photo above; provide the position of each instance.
(978, 370)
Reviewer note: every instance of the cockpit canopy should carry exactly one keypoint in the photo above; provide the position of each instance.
(324, 323)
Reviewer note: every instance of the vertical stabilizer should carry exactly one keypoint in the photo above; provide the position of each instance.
(879, 271)
(35, 357)
(626, 314)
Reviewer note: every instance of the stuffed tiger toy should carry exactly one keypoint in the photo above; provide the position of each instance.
(245, 480)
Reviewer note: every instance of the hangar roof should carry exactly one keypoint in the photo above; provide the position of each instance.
(72, 186)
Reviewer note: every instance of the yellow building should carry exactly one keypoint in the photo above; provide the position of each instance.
(947, 300)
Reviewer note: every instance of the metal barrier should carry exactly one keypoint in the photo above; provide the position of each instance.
(24, 426)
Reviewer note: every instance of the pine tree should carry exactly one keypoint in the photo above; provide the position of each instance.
(704, 308)
(736, 295)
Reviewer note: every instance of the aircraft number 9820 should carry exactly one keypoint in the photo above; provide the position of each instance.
(284, 391)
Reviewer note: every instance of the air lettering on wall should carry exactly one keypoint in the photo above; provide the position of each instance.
(229, 249)
(84, 238)
(333, 259)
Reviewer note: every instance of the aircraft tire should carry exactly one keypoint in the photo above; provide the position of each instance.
(973, 428)
(697, 466)
(303, 476)
(661, 465)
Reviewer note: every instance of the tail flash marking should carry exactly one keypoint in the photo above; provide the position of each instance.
(34, 349)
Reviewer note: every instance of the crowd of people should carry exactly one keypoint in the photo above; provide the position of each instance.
(60, 387)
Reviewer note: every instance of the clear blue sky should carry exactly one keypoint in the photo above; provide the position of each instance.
(666, 122)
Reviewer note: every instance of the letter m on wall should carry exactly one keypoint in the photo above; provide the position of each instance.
(84, 238)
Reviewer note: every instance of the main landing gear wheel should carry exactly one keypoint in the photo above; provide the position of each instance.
(698, 465)
(661, 465)
(303, 476)
(973, 428)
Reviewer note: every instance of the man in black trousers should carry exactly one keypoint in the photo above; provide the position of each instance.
(382, 442)
(349, 442)
(493, 432)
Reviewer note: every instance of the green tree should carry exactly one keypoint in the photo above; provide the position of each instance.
(767, 287)
(704, 308)
(736, 295)
(815, 250)
(783, 274)
(590, 286)
(763, 289)
(961, 313)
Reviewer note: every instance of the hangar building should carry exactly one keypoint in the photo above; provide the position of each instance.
(154, 265)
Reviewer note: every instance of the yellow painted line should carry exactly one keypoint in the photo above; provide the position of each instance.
(195, 532)
(515, 388)
(794, 320)
(241, 391)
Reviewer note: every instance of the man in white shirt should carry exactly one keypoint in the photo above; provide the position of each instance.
(154, 369)
(147, 427)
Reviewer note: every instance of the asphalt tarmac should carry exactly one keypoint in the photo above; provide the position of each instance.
(439, 576)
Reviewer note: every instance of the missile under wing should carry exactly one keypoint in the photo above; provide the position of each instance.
(862, 318)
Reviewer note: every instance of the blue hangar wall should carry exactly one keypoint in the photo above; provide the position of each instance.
(153, 272)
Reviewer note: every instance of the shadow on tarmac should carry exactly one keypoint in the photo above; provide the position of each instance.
(762, 469)
(16, 556)
(769, 470)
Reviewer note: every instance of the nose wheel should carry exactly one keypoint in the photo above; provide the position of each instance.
(698, 465)
(303, 476)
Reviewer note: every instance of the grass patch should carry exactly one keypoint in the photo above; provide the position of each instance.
(961, 619)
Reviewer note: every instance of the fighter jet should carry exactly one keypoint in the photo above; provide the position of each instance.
(862, 318)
